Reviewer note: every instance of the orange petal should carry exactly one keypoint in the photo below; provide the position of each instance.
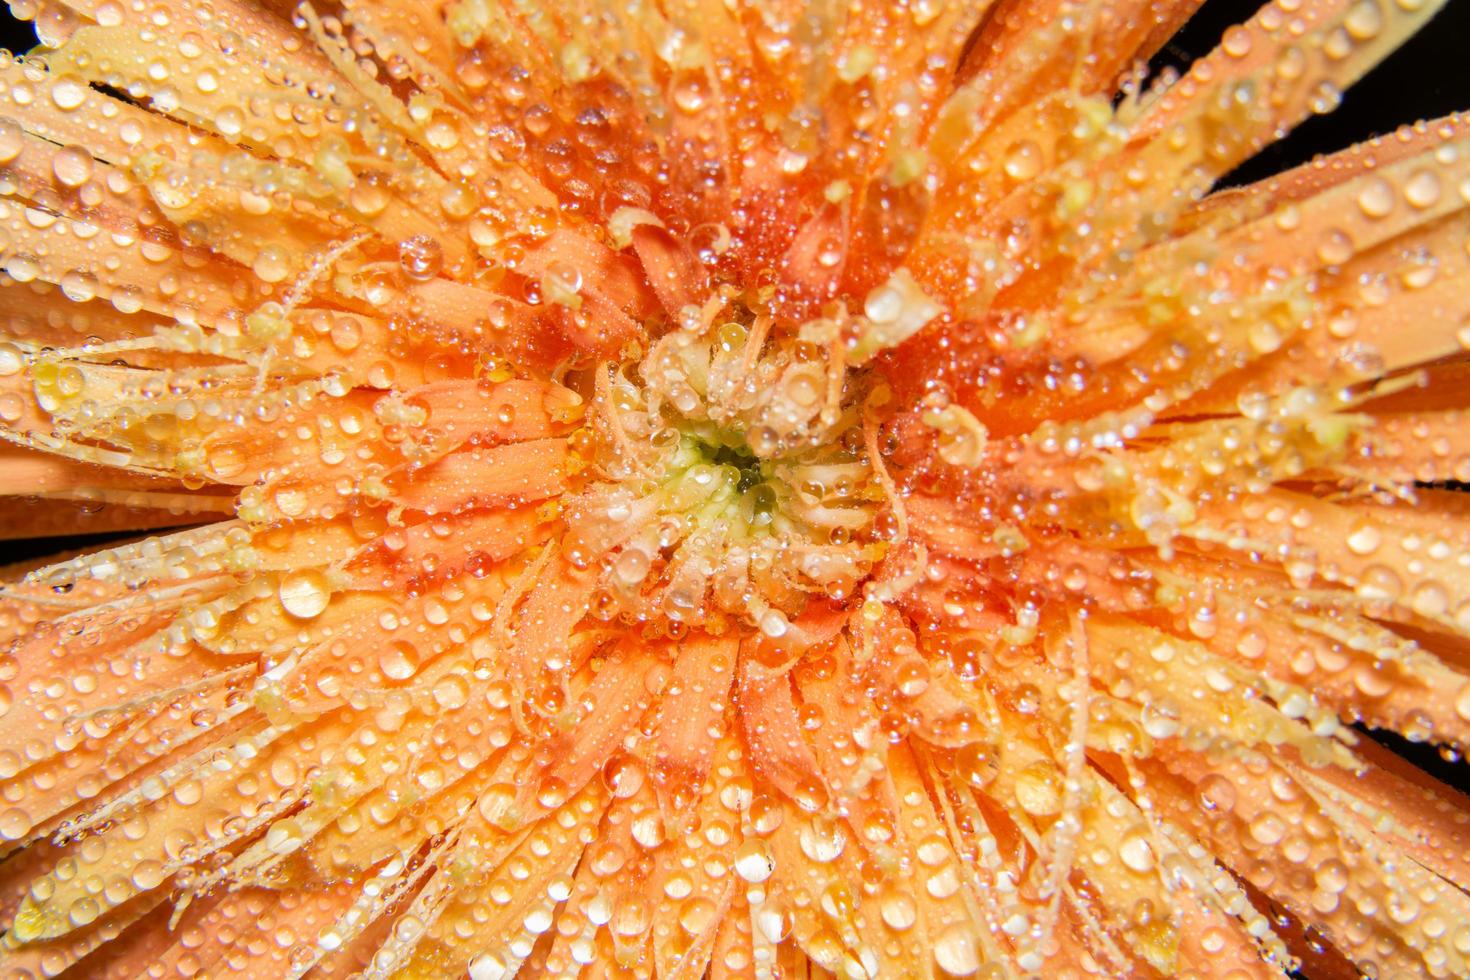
(778, 750)
(691, 707)
(514, 473)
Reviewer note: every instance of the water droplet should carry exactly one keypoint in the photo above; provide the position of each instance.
(1038, 789)
(696, 915)
(1364, 539)
(230, 121)
(1422, 189)
(72, 166)
(898, 909)
(127, 299)
(451, 692)
(68, 92)
(1236, 42)
(691, 93)
(1268, 829)
(753, 861)
(1217, 793)
(1364, 21)
(272, 264)
(79, 286)
(15, 823)
(488, 966)
(398, 660)
(305, 594)
(823, 839)
(1335, 248)
(1023, 160)
(1429, 599)
(1136, 853)
(1376, 197)
(956, 951)
(421, 257)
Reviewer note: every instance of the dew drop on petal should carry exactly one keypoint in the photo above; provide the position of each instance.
(421, 257)
(956, 951)
(304, 594)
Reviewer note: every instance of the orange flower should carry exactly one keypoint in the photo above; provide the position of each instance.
(757, 489)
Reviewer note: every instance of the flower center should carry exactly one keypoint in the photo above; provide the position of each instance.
(732, 472)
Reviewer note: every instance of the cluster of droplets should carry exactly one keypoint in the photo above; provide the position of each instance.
(734, 475)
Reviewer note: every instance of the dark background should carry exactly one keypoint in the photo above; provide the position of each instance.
(1428, 77)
